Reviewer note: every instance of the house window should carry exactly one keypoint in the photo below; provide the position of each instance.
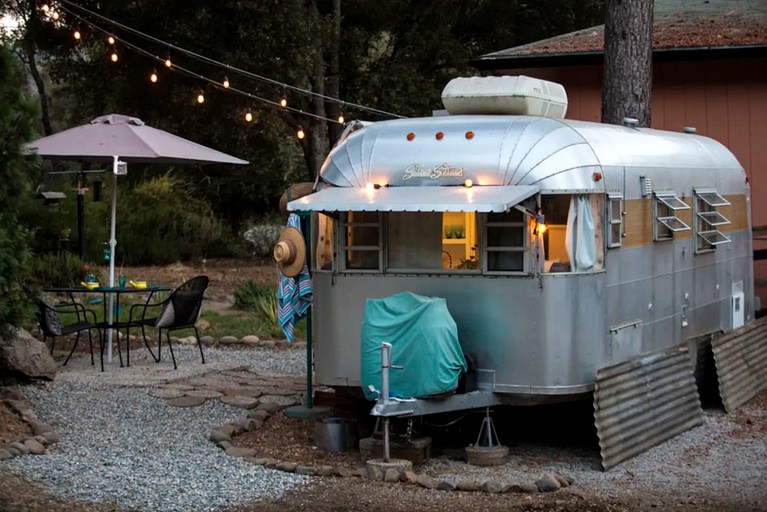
(506, 241)
(665, 206)
(361, 242)
(708, 219)
(615, 220)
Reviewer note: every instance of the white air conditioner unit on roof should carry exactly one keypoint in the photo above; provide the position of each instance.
(509, 95)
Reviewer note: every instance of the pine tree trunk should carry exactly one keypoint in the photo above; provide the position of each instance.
(628, 61)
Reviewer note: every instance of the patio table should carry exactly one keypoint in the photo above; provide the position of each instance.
(116, 292)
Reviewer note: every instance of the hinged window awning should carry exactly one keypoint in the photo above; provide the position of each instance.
(414, 199)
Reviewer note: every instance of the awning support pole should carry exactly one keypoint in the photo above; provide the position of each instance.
(307, 222)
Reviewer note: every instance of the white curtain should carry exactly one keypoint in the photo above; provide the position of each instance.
(579, 238)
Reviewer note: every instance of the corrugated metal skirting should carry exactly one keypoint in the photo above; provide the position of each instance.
(643, 402)
(741, 363)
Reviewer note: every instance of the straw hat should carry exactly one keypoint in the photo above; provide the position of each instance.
(290, 252)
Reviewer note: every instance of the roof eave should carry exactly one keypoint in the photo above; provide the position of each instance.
(596, 57)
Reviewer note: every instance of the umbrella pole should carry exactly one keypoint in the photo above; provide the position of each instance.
(112, 243)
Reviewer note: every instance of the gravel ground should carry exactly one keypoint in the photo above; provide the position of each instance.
(118, 445)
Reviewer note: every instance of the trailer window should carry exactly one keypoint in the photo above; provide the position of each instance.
(431, 241)
(506, 240)
(708, 219)
(615, 220)
(573, 240)
(362, 240)
(665, 206)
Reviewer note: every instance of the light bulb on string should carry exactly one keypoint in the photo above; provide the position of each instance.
(153, 77)
(45, 8)
(77, 35)
(168, 62)
(55, 15)
(114, 57)
(200, 98)
(341, 119)
(300, 132)
(111, 40)
(225, 83)
(283, 102)
(248, 116)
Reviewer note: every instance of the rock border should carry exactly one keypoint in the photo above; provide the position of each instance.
(42, 436)
(223, 435)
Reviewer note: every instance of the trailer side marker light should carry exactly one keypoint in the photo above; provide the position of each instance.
(469, 135)
(468, 183)
(597, 176)
(440, 135)
(410, 136)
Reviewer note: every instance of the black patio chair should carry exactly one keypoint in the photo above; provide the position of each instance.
(180, 310)
(52, 327)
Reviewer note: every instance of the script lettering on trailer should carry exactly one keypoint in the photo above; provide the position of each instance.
(434, 173)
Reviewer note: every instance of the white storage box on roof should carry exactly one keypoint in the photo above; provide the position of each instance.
(509, 95)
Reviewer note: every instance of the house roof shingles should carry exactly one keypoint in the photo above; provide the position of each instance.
(677, 24)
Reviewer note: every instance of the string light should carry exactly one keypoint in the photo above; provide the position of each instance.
(300, 132)
(111, 40)
(45, 8)
(55, 15)
(153, 77)
(226, 83)
(70, 4)
(114, 57)
(77, 35)
(200, 98)
(248, 116)
(169, 64)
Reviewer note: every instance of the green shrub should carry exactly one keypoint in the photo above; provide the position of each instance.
(59, 270)
(248, 295)
(16, 120)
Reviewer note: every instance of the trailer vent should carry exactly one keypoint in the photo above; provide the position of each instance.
(507, 95)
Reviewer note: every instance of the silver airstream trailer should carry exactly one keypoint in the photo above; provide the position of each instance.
(561, 247)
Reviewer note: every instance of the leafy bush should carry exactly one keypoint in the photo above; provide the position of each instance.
(16, 120)
(61, 270)
(261, 238)
(159, 221)
(248, 295)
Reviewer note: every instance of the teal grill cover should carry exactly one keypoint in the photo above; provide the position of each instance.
(424, 341)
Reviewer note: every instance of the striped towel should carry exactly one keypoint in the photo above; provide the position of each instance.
(294, 295)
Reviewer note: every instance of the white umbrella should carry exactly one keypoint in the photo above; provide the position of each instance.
(123, 139)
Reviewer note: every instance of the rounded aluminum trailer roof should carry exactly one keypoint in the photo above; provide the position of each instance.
(510, 150)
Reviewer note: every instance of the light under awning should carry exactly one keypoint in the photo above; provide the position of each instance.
(414, 199)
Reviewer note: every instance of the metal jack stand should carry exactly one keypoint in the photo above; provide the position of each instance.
(378, 467)
(384, 398)
(487, 450)
(487, 437)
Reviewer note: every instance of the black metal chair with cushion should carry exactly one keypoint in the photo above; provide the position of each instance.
(180, 310)
(52, 327)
